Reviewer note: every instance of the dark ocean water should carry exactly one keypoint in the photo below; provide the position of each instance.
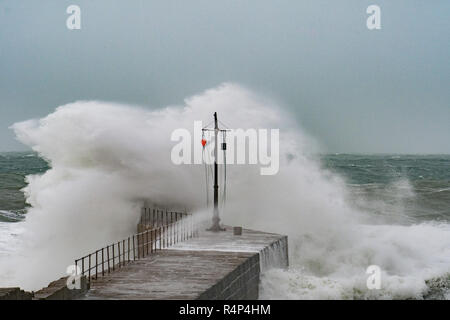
(14, 167)
(416, 186)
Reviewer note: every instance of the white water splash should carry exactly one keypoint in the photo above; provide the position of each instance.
(107, 158)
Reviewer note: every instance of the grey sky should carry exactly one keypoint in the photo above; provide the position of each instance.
(355, 90)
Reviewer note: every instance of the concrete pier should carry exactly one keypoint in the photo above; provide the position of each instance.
(211, 266)
(14, 294)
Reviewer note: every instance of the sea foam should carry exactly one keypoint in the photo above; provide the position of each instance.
(107, 158)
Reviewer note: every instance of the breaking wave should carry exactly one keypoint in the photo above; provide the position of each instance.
(106, 159)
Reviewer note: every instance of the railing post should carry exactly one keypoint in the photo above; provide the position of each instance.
(134, 250)
(138, 246)
(142, 245)
(128, 249)
(146, 241)
(189, 227)
(123, 251)
(171, 228)
(183, 232)
(161, 236)
(103, 262)
(107, 255)
(113, 262)
(164, 237)
(118, 251)
(152, 236)
(96, 264)
(178, 230)
(82, 266)
(144, 248)
(89, 273)
(174, 231)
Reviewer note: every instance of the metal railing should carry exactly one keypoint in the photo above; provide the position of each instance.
(173, 227)
(158, 217)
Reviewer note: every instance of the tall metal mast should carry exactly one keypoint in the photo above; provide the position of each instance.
(216, 219)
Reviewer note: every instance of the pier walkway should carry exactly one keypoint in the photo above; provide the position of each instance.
(210, 266)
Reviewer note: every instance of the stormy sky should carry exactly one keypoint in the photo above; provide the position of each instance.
(355, 90)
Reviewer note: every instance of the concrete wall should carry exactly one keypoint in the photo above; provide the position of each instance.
(240, 284)
(275, 255)
(14, 294)
(57, 290)
(243, 282)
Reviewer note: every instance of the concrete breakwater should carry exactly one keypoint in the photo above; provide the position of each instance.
(172, 258)
(214, 265)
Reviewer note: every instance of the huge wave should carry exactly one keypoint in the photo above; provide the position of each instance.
(107, 158)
